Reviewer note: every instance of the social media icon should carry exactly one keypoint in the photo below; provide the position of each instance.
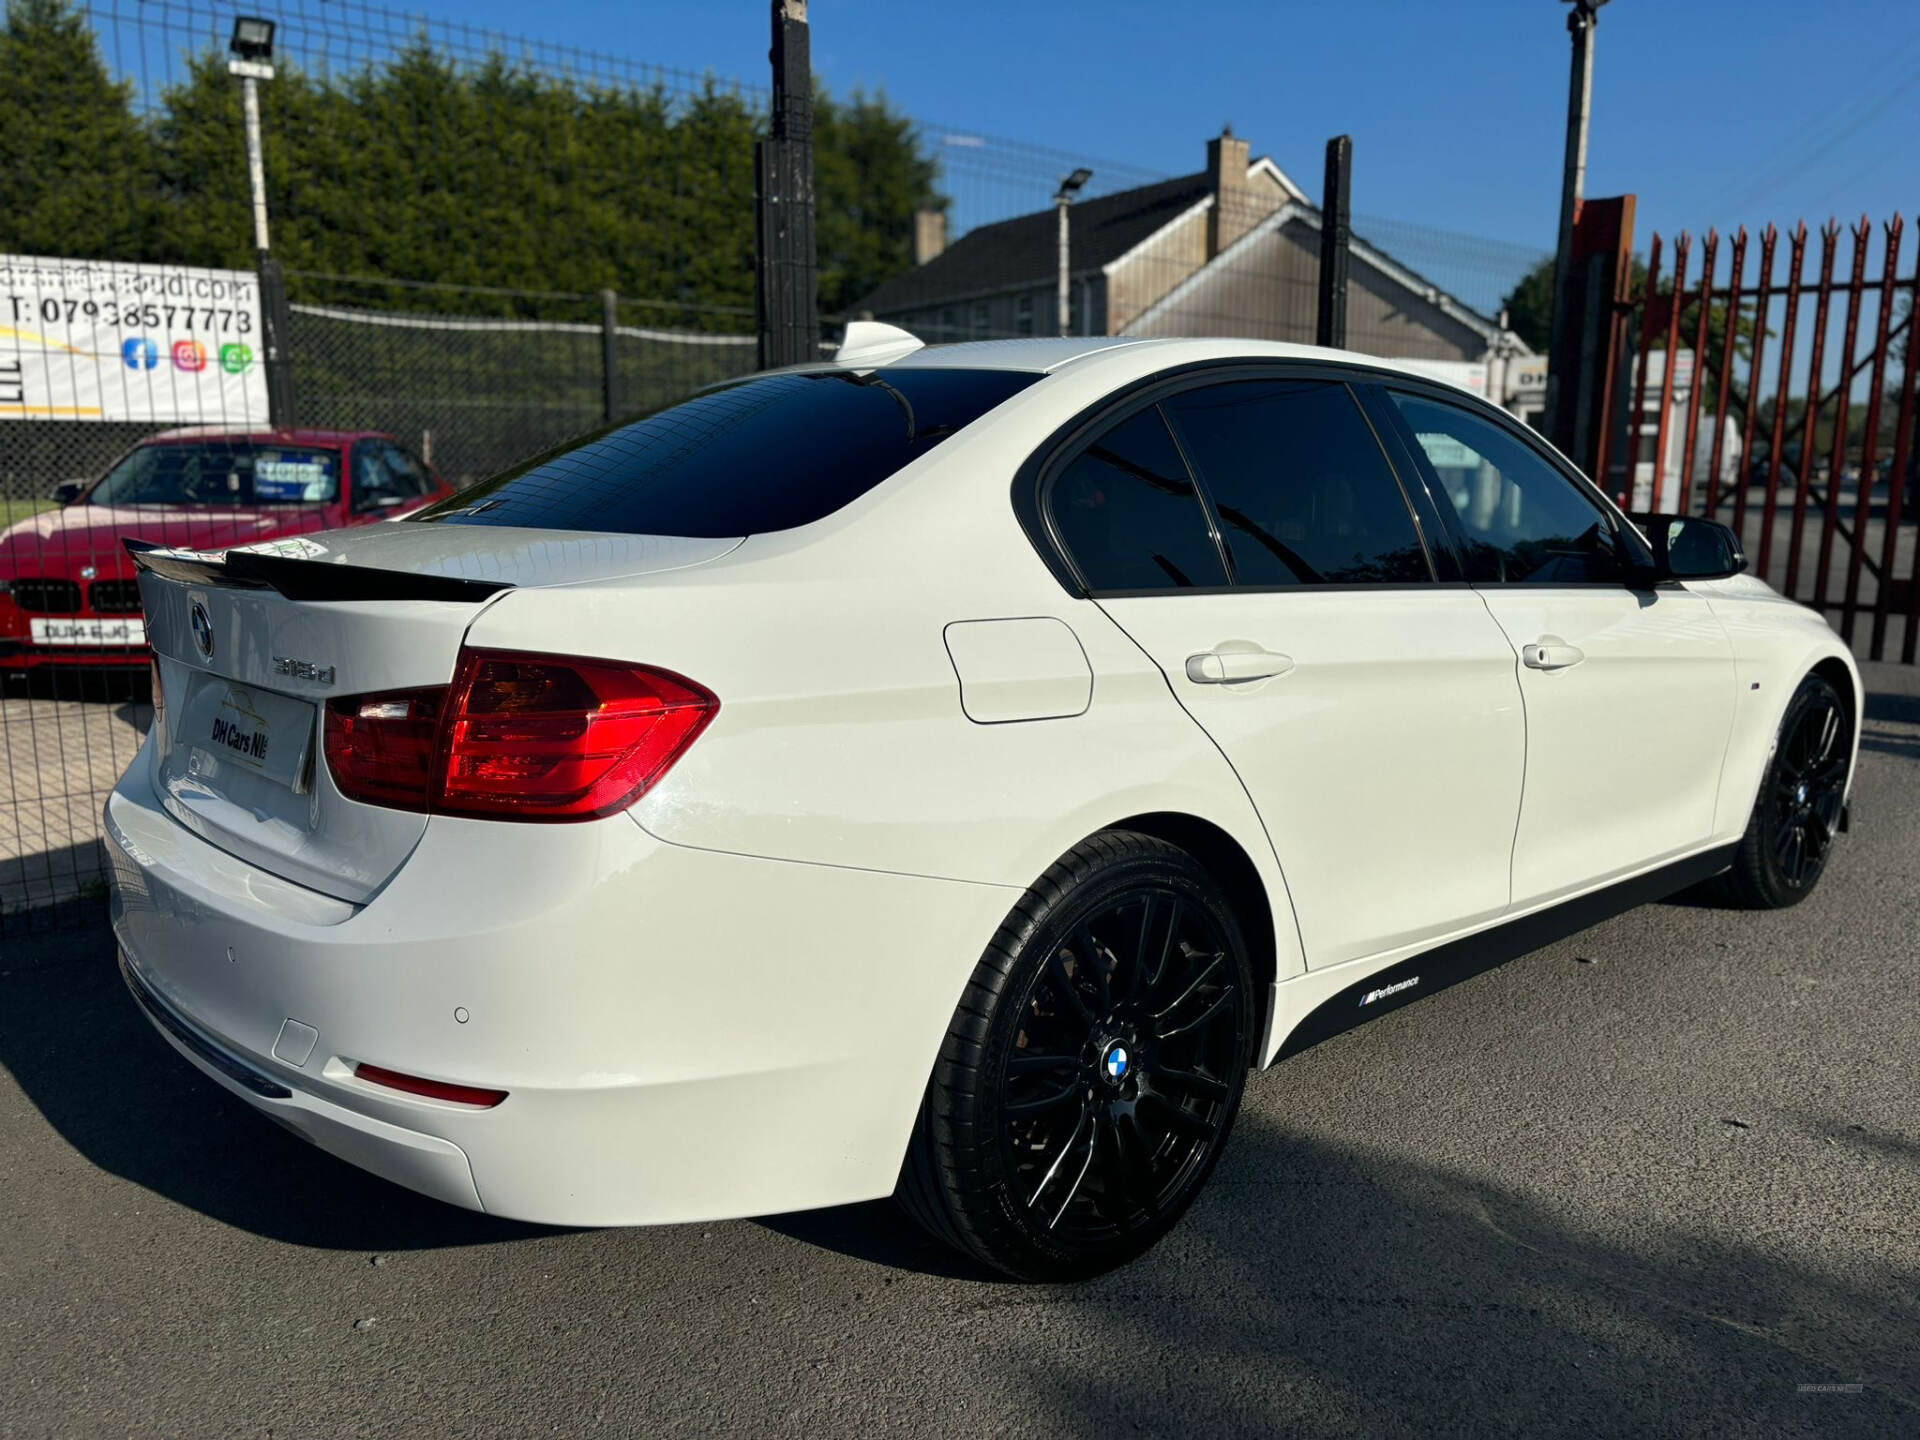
(140, 353)
(235, 358)
(189, 355)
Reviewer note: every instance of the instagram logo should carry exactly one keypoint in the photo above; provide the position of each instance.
(189, 355)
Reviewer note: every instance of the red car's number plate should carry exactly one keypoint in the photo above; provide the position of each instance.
(131, 631)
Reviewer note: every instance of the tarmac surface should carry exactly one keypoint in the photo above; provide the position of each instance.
(1658, 1179)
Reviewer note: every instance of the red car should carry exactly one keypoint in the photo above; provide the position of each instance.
(67, 592)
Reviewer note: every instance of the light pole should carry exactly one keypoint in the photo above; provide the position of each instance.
(252, 47)
(1063, 199)
(1581, 21)
(252, 62)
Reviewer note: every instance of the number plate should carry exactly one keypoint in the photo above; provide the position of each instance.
(256, 730)
(88, 632)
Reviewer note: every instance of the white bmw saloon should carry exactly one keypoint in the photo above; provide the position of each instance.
(942, 772)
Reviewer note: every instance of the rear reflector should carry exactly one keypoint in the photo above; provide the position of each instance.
(521, 737)
(432, 1089)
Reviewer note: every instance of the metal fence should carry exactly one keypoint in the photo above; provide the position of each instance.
(1774, 389)
(483, 244)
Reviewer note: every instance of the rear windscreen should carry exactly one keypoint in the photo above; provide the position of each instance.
(766, 454)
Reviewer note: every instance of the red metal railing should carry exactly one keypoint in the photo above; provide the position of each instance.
(1807, 450)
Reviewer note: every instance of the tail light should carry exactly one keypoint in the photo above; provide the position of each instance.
(524, 737)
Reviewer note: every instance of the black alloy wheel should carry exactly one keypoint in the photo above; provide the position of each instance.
(1790, 836)
(1094, 1067)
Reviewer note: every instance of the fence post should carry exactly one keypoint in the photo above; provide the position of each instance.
(1336, 234)
(786, 280)
(1591, 349)
(276, 321)
(609, 376)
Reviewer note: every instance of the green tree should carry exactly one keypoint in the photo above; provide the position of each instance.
(75, 161)
(1529, 306)
(495, 175)
(870, 176)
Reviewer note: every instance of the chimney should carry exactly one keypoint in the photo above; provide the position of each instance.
(929, 234)
(1232, 214)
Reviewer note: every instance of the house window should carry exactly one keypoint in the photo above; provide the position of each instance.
(980, 317)
(949, 323)
(1023, 314)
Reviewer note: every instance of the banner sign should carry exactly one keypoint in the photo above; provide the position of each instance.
(106, 340)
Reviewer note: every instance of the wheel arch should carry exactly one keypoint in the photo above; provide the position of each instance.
(1837, 673)
(1229, 863)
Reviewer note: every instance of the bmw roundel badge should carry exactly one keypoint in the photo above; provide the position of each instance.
(1116, 1063)
(202, 631)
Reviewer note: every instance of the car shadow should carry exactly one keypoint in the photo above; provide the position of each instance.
(56, 889)
(880, 1233)
(1385, 1297)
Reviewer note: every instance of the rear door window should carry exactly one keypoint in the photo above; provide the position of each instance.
(769, 453)
(1302, 489)
(1129, 516)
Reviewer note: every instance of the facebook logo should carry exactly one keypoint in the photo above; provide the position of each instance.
(140, 353)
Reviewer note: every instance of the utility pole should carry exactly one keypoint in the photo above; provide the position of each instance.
(1581, 21)
(1336, 236)
(1063, 200)
(787, 280)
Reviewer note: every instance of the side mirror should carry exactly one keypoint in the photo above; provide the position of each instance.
(68, 491)
(1687, 547)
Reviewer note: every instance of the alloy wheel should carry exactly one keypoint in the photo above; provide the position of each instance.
(1119, 1084)
(1808, 790)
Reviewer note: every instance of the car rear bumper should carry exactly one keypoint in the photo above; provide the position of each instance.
(683, 1035)
(24, 655)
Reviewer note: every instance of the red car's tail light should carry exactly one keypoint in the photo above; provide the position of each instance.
(432, 1089)
(524, 737)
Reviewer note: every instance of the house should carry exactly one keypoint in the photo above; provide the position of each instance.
(1232, 250)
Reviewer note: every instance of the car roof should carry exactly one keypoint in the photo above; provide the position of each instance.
(187, 433)
(1045, 355)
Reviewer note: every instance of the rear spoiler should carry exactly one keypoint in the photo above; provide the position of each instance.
(303, 579)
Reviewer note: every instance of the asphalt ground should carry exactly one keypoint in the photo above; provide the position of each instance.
(1659, 1179)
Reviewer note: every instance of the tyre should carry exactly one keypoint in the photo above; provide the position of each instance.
(1790, 833)
(1093, 1068)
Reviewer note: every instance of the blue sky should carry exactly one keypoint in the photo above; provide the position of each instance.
(1713, 112)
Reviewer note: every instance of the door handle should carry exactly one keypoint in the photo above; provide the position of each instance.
(1551, 653)
(1231, 667)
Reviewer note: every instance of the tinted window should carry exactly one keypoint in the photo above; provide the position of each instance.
(225, 472)
(1524, 522)
(409, 475)
(1129, 515)
(766, 454)
(382, 477)
(1303, 493)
